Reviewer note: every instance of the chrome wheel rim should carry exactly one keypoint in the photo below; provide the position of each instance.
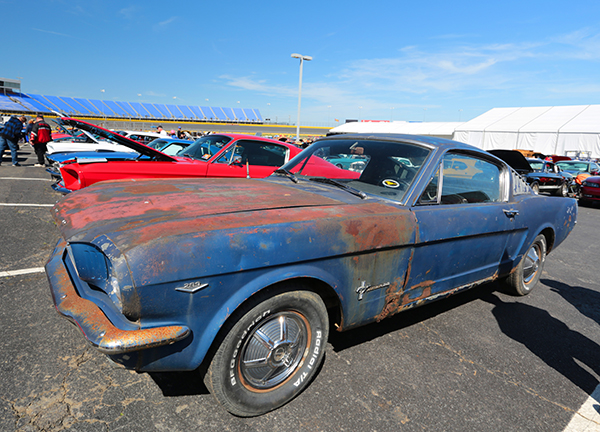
(532, 263)
(273, 351)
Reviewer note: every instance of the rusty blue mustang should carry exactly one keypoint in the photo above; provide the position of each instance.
(241, 278)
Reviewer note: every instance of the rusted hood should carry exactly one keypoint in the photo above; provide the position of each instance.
(122, 206)
(190, 228)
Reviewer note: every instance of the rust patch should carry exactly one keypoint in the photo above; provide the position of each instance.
(398, 301)
(95, 325)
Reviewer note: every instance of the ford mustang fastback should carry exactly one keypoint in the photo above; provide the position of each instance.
(240, 279)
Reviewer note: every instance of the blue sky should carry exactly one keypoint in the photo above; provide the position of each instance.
(381, 60)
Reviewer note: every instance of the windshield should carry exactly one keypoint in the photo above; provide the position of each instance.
(158, 143)
(206, 147)
(536, 165)
(376, 167)
(573, 166)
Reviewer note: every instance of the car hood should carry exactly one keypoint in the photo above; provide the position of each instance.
(116, 138)
(514, 158)
(98, 154)
(185, 229)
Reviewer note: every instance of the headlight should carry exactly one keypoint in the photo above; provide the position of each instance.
(91, 263)
(94, 268)
(590, 184)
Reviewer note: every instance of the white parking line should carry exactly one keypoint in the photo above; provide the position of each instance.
(25, 205)
(587, 419)
(20, 178)
(21, 272)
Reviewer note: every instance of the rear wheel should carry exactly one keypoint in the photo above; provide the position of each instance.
(527, 274)
(270, 354)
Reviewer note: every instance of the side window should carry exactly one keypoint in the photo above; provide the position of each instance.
(226, 157)
(464, 179)
(256, 153)
(430, 194)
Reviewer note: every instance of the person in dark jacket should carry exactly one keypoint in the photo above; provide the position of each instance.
(10, 136)
(41, 133)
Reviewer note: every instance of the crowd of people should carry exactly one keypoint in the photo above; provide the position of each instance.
(35, 131)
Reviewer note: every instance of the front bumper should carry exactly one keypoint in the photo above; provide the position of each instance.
(96, 327)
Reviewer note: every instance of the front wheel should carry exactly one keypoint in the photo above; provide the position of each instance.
(563, 191)
(270, 354)
(527, 274)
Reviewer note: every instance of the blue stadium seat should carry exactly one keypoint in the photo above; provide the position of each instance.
(239, 114)
(127, 108)
(8, 105)
(164, 112)
(115, 108)
(152, 110)
(94, 107)
(250, 115)
(139, 109)
(106, 111)
(60, 104)
(208, 113)
(219, 113)
(77, 106)
(186, 111)
(39, 107)
(257, 114)
(87, 104)
(229, 113)
(175, 112)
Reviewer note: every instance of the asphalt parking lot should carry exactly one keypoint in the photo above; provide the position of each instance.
(479, 361)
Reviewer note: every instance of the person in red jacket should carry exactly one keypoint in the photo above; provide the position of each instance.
(41, 133)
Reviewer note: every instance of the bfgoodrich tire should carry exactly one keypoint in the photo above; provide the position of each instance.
(270, 354)
(527, 274)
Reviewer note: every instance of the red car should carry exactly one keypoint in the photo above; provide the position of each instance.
(590, 190)
(218, 155)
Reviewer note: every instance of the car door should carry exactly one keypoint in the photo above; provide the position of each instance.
(464, 222)
(249, 158)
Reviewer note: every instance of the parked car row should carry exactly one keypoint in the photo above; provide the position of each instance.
(240, 278)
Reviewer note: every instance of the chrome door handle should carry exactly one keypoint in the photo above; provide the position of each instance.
(511, 213)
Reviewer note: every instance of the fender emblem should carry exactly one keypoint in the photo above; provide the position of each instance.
(364, 288)
(192, 287)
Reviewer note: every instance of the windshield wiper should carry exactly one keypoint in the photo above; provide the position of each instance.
(353, 191)
(288, 174)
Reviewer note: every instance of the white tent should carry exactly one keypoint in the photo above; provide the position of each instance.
(547, 130)
(437, 129)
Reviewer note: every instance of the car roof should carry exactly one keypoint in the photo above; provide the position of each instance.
(415, 139)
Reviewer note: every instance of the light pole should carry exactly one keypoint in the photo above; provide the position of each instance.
(302, 58)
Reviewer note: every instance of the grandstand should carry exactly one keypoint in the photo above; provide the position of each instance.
(21, 103)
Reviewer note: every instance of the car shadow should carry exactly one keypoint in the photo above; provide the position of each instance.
(180, 383)
(550, 339)
(347, 339)
(585, 300)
